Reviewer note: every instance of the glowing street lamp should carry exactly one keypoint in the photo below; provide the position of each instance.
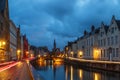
(39, 55)
(27, 54)
(80, 54)
(18, 54)
(31, 55)
(4, 43)
(72, 53)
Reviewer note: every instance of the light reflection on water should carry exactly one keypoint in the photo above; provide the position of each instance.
(49, 70)
(81, 74)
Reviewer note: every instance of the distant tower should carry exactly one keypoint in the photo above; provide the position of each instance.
(54, 44)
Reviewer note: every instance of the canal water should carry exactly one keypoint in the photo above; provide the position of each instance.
(49, 70)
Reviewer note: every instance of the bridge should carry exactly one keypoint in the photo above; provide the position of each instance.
(42, 58)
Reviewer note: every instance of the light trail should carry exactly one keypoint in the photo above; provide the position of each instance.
(8, 66)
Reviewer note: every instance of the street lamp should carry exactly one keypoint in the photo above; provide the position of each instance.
(72, 53)
(27, 54)
(18, 54)
(80, 54)
(2, 43)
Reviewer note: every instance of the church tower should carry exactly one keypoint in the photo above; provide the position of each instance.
(54, 44)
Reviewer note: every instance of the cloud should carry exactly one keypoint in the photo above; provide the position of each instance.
(63, 20)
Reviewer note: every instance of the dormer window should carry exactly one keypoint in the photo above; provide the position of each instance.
(115, 28)
(102, 33)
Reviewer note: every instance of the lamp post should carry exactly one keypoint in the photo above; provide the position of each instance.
(80, 54)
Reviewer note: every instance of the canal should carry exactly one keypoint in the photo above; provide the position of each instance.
(49, 70)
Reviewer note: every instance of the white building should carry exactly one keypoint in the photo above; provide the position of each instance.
(87, 44)
(113, 36)
(74, 50)
(101, 43)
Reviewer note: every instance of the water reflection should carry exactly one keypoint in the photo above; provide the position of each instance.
(81, 74)
(49, 70)
(71, 73)
(96, 76)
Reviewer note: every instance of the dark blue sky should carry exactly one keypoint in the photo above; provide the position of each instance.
(64, 20)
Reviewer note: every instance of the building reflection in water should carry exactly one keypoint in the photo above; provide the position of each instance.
(71, 78)
(66, 73)
(42, 63)
(50, 70)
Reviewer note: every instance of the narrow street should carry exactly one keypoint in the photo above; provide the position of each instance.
(18, 72)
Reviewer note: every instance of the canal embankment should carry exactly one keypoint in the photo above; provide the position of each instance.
(103, 65)
(30, 71)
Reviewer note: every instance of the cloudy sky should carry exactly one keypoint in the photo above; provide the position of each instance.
(64, 20)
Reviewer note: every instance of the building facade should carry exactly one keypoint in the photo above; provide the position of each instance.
(13, 41)
(25, 47)
(4, 31)
(101, 43)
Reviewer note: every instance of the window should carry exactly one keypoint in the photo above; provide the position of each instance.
(104, 42)
(113, 52)
(117, 52)
(108, 41)
(101, 52)
(116, 39)
(115, 28)
(99, 42)
(112, 40)
(101, 34)
(112, 30)
(104, 53)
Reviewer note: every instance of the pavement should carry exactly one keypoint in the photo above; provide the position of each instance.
(15, 71)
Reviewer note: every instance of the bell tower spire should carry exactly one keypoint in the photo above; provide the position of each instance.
(54, 44)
